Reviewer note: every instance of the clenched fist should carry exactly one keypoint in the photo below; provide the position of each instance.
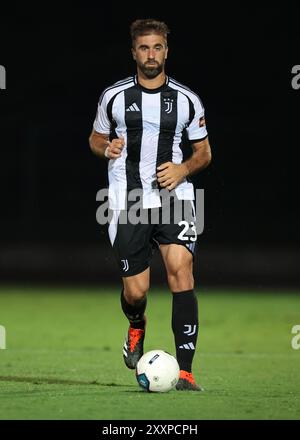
(114, 148)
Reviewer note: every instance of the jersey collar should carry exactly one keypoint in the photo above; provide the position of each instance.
(144, 89)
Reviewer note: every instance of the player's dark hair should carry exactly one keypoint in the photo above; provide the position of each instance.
(148, 26)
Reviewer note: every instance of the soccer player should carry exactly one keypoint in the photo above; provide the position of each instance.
(139, 127)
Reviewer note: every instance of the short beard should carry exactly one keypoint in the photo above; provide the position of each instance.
(153, 72)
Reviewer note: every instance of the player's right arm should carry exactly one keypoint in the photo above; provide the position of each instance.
(102, 147)
(99, 138)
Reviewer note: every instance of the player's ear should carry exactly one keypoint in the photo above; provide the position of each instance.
(166, 53)
(133, 53)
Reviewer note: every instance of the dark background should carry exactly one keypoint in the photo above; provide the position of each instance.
(238, 59)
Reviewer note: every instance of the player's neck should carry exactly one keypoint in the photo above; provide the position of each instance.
(153, 83)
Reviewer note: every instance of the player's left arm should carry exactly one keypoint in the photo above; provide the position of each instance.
(200, 158)
(170, 174)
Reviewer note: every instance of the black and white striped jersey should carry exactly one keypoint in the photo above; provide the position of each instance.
(152, 122)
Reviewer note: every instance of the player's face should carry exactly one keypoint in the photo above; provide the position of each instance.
(150, 53)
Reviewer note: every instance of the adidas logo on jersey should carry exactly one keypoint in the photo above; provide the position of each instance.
(133, 108)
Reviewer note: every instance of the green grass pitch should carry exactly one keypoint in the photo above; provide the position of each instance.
(63, 356)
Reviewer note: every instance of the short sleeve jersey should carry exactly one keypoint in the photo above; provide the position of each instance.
(152, 122)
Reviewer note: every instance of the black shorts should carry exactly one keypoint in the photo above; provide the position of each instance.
(134, 238)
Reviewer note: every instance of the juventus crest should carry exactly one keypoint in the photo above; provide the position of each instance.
(169, 104)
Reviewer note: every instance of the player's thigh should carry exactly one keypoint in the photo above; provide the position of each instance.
(177, 235)
(177, 259)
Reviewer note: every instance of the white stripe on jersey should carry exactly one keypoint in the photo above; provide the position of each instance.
(151, 118)
(117, 168)
(182, 113)
(113, 226)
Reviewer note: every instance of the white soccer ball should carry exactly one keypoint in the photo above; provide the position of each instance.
(157, 371)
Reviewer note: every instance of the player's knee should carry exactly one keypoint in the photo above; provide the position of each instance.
(180, 272)
(135, 294)
(180, 279)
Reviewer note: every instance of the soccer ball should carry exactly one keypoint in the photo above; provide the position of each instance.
(157, 371)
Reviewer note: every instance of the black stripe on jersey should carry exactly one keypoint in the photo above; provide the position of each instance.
(113, 124)
(134, 124)
(168, 122)
(115, 86)
(191, 110)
